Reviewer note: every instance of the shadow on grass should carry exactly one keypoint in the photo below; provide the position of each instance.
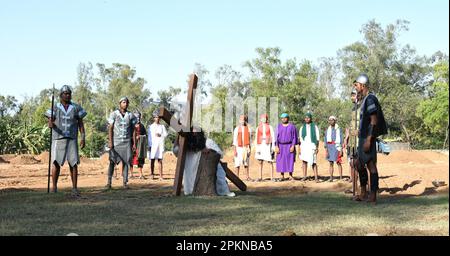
(151, 209)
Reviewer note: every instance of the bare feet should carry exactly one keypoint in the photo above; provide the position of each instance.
(372, 198)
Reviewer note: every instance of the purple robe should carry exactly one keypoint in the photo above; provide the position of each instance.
(286, 138)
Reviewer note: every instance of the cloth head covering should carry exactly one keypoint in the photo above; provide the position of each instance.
(309, 114)
(285, 115)
(332, 118)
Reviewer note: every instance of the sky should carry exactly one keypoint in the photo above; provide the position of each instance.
(42, 42)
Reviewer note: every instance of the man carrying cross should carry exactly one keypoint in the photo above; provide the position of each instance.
(203, 153)
(183, 128)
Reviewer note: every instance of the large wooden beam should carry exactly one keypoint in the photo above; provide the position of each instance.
(181, 160)
(233, 178)
(179, 170)
(168, 117)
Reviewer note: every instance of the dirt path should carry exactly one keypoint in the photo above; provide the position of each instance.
(401, 173)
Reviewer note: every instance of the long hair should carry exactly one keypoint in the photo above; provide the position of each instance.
(196, 141)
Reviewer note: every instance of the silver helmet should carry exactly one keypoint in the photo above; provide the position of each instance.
(65, 88)
(362, 79)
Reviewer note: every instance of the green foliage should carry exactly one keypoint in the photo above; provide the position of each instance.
(434, 110)
(412, 89)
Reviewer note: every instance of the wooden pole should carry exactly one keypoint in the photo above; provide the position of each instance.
(51, 138)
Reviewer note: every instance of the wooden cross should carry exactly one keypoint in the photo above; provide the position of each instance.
(182, 128)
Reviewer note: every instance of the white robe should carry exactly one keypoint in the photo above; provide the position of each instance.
(338, 136)
(191, 168)
(157, 146)
(307, 148)
(264, 151)
(243, 154)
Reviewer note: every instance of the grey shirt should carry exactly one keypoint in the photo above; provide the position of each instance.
(66, 122)
(123, 126)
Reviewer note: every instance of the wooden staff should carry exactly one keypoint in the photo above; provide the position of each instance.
(51, 138)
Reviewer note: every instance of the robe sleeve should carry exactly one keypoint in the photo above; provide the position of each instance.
(300, 138)
(371, 106)
(112, 118)
(256, 136)
(272, 133)
(213, 145)
(81, 112)
(276, 136)
(317, 134)
(149, 136)
(235, 132)
(164, 132)
(295, 136)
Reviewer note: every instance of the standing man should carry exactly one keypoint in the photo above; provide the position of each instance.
(265, 144)
(351, 137)
(241, 144)
(372, 124)
(66, 122)
(286, 139)
(121, 132)
(333, 146)
(309, 146)
(158, 134)
(140, 146)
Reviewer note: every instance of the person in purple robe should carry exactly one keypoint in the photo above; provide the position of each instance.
(286, 140)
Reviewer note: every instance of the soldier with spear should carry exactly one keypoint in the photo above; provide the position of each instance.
(65, 119)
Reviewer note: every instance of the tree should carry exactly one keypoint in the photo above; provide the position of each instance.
(166, 96)
(8, 105)
(328, 76)
(434, 110)
(203, 84)
(397, 75)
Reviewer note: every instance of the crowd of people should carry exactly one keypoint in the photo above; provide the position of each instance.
(130, 142)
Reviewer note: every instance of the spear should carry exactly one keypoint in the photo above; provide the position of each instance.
(355, 146)
(51, 137)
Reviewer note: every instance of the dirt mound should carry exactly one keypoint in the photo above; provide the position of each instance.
(43, 157)
(104, 159)
(408, 157)
(3, 161)
(24, 159)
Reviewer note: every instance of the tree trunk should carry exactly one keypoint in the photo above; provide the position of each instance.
(446, 135)
(205, 181)
(408, 137)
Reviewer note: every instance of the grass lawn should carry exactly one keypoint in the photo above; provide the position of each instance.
(141, 211)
